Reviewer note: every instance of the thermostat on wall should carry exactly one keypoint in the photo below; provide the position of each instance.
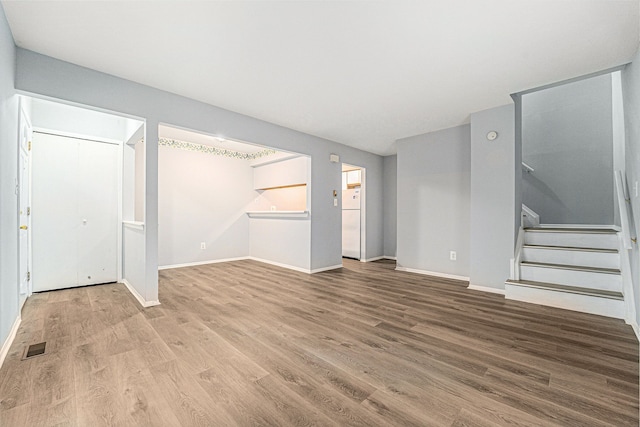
(492, 135)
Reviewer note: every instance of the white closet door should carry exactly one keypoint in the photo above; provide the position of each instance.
(98, 212)
(54, 212)
(72, 181)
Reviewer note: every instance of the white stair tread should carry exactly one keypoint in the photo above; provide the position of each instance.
(567, 289)
(570, 267)
(571, 230)
(571, 248)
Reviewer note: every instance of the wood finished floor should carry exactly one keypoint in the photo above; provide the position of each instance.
(244, 343)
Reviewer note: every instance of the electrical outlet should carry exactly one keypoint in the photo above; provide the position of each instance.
(203, 245)
(335, 202)
(635, 188)
(453, 255)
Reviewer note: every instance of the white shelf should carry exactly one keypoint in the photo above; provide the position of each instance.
(278, 214)
(134, 224)
(281, 174)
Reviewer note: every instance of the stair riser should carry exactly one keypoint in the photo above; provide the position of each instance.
(565, 257)
(576, 302)
(583, 279)
(577, 240)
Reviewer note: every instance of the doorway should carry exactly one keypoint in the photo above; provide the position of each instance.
(222, 199)
(353, 212)
(570, 149)
(71, 183)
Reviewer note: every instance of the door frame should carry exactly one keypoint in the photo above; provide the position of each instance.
(23, 118)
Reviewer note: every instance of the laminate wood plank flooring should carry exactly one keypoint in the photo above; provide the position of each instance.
(246, 343)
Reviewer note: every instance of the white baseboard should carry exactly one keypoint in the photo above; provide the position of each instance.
(593, 226)
(292, 267)
(486, 289)
(266, 261)
(279, 264)
(376, 258)
(321, 269)
(633, 324)
(192, 264)
(390, 257)
(7, 343)
(139, 297)
(433, 273)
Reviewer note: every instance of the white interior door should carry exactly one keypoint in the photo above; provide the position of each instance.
(74, 212)
(98, 212)
(24, 209)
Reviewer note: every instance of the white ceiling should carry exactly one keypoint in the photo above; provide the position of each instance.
(363, 73)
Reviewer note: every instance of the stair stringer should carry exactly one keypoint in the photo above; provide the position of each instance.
(627, 286)
(514, 263)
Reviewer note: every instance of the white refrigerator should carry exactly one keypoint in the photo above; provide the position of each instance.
(351, 223)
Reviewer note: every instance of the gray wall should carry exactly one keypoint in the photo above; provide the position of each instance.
(50, 77)
(202, 198)
(618, 133)
(374, 239)
(433, 201)
(567, 138)
(492, 196)
(390, 196)
(631, 95)
(8, 177)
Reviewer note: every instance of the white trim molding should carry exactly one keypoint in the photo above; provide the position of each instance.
(266, 261)
(7, 343)
(589, 226)
(486, 289)
(375, 258)
(433, 273)
(278, 214)
(395, 258)
(37, 129)
(193, 264)
(300, 269)
(279, 264)
(139, 297)
(134, 224)
(633, 324)
(321, 269)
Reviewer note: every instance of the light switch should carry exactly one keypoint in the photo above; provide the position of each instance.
(335, 202)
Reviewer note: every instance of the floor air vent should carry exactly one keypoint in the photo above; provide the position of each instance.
(34, 350)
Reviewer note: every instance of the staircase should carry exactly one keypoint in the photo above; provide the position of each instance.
(572, 268)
